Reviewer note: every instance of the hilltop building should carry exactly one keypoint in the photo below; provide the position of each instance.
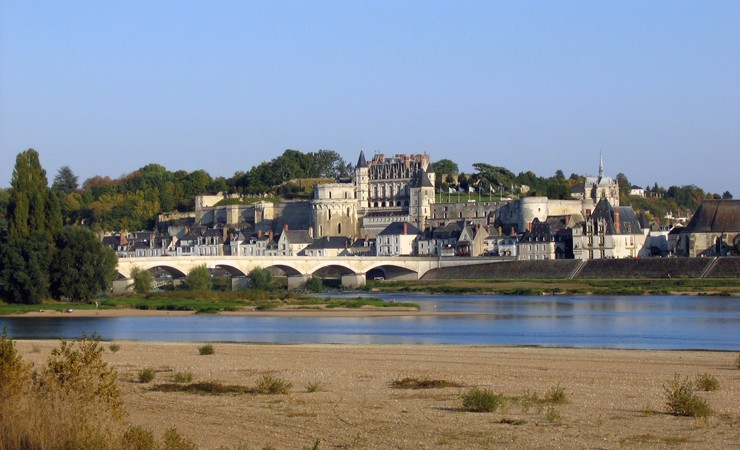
(383, 191)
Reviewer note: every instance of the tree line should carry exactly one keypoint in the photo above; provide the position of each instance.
(132, 201)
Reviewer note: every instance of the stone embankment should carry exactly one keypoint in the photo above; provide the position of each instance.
(595, 268)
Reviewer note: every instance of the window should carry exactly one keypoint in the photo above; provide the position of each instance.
(339, 228)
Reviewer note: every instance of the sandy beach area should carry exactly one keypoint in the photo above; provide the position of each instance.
(342, 396)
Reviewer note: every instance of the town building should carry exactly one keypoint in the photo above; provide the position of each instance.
(714, 230)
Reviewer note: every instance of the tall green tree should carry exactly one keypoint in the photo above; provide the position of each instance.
(31, 207)
(65, 180)
(82, 266)
(445, 166)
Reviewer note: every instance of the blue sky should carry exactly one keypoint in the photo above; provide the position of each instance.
(108, 87)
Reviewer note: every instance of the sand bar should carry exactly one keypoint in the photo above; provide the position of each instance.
(615, 397)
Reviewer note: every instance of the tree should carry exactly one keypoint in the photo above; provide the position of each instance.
(199, 279)
(24, 268)
(30, 208)
(65, 180)
(82, 266)
(315, 284)
(445, 166)
(727, 195)
(624, 185)
(260, 279)
(142, 280)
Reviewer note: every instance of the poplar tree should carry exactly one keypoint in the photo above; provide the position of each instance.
(34, 218)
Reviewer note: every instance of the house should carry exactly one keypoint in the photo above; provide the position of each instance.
(398, 239)
(496, 244)
(470, 242)
(292, 242)
(360, 247)
(609, 232)
(201, 242)
(714, 230)
(538, 242)
(247, 243)
(440, 241)
(328, 246)
(637, 191)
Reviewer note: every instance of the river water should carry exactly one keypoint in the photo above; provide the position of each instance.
(644, 322)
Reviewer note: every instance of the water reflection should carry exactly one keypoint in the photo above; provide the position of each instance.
(665, 322)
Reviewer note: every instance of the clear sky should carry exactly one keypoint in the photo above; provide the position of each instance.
(107, 87)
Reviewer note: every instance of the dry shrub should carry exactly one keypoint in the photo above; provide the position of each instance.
(273, 385)
(73, 402)
(681, 399)
(481, 400)
(422, 383)
(706, 382)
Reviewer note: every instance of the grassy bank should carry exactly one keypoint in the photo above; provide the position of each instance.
(723, 286)
(209, 302)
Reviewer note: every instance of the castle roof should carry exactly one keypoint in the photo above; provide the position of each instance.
(396, 228)
(421, 180)
(361, 162)
(715, 216)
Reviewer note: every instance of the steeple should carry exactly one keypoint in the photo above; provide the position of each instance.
(601, 166)
(361, 162)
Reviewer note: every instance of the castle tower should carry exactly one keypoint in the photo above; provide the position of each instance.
(422, 198)
(362, 181)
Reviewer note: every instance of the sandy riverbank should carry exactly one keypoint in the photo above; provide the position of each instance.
(615, 397)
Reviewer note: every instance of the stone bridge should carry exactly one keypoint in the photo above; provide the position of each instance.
(353, 270)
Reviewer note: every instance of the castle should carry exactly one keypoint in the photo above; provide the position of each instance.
(383, 191)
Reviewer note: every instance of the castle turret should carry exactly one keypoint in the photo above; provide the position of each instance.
(362, 181)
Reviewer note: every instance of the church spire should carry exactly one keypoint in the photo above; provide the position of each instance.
(601, 166)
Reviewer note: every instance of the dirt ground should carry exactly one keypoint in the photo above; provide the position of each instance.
(614, 397)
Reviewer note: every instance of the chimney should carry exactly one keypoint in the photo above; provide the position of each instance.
(259, 234)
(530, 227)
(270, 235)
(617, 224)
(405, 228)
(310, 232)
(285, 227)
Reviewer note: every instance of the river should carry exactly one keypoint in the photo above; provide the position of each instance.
(643, 322)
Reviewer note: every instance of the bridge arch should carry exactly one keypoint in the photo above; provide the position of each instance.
(391, 272)
(233, 270)
(288, 270)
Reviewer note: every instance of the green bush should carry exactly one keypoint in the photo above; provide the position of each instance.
(706, 382)
(681, 399)
(199, 279)
(146, 375)
(273, 385)
(114, 347)
(182, 377)
(206, 350)
(481, 400)
(260, 279)
(142, 280)
(315, 284)
(555, 395)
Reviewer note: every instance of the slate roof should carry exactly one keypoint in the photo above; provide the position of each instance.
(421, 180)
(298, 236)
(715, 216)
(628, 222)
(396, 228)
(362, 162)
(329, 242)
